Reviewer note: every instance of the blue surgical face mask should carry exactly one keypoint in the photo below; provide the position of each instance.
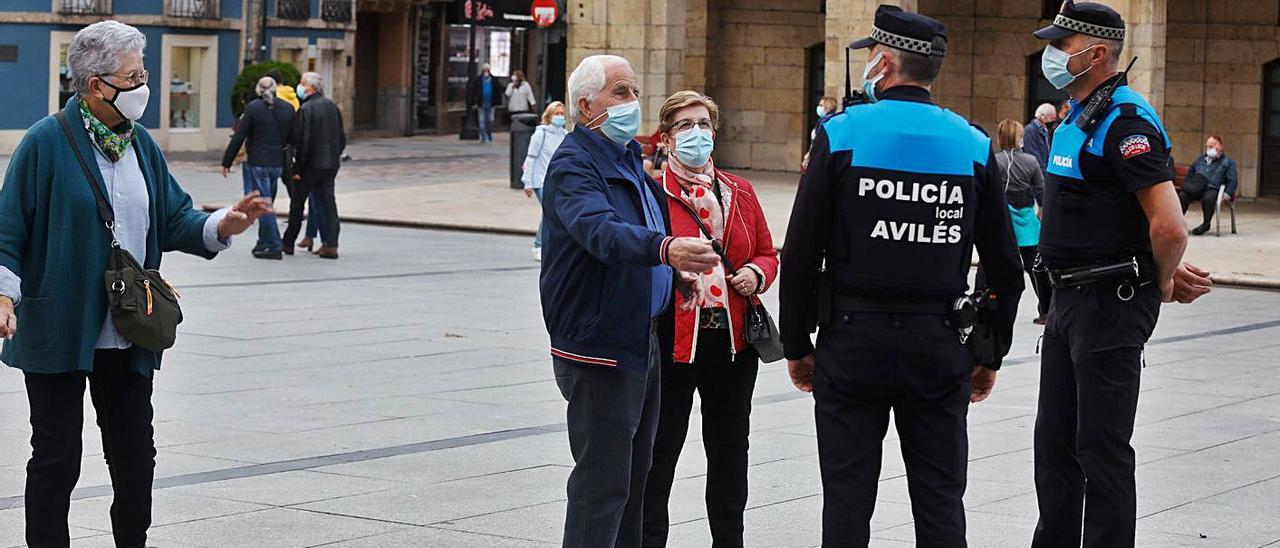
(869, 86)
(622, 124)
(694, 146)
(821, 111)
(1053, 63)
(557, 120)
(301, 92)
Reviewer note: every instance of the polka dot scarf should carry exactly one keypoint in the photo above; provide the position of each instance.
(112, 144)
(710, 289)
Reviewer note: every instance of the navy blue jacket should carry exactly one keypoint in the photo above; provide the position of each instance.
(1222, 172)
(597, 260)
(1035, 141)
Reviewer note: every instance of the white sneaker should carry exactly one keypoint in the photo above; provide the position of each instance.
(537, 254)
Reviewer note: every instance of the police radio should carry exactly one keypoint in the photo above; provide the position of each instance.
(1093, 112)
(851, 97)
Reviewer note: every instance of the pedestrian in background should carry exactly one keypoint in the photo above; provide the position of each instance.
(711, 354)
(321, 140)
(1035, 136)
(520, 97)
(542, 145)
(483, 96)
(1023, 184)
(267, 125)
(54, 249)
(606, 298)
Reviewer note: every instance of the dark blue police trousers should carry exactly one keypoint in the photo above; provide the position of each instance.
(1090, 365)
(612, 417)
(871, 363)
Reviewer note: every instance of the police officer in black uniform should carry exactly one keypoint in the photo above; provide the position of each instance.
(1112, 241)
(897, 194)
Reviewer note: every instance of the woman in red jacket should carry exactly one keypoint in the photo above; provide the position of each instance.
(711, 355)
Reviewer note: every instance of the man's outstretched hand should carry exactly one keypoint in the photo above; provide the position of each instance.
(243, 214)
(691, 255)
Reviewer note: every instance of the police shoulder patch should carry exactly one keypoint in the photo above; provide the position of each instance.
(1134, 145)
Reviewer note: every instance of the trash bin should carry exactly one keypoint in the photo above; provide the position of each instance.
(522, 126)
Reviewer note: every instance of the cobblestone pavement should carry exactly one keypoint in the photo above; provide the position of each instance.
(403, 397)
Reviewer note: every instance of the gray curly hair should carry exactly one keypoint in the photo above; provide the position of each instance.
(96, 49)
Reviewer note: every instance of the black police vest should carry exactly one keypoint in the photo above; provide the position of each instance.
(906, 201)
(1087, 219)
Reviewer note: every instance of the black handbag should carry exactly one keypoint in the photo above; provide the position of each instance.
(144, 307)
(760, 332)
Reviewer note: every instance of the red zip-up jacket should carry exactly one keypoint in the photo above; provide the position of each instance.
(747, 241)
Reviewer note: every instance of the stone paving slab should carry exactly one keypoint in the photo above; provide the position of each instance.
(402, 397)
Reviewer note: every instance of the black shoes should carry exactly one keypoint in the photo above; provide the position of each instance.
(273, 255)
(1200, 230)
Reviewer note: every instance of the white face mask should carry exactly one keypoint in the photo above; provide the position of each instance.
(1211, 153)
(129, 103)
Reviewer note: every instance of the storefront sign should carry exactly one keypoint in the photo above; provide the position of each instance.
(492, 13)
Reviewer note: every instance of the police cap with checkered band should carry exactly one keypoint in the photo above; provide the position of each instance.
(1088, 18)
(906, 31)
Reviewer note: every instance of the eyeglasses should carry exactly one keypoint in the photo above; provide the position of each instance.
(132, 79)
(682, 125)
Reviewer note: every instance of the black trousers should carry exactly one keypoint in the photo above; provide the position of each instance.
(1208, 199)
(612, 418)
(319, 181)
(122, 400)
(725, 384)
(1091, 362)
(868, 364)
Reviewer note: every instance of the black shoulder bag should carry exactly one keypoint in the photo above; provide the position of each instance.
(761, 332)
(144, 307)
(288, 150)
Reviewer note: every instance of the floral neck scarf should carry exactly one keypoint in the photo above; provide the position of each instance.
(710, 289)
(113, 145)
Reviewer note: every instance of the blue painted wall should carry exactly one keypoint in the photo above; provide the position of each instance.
(144, 7)
(312, 34)
(231, 9)
(229, 64)
(25, 5)
(26, 98)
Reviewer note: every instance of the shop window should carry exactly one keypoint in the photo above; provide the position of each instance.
(499, 58)
(65, 88)
(185, 87)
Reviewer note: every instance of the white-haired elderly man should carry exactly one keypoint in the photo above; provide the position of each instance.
(53, 254)
(1035, 136)
(606, 293)
(321, 138)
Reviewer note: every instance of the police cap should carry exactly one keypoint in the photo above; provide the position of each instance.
(1089, 18)
(906, 31)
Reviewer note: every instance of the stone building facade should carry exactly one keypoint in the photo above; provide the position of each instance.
(1208, 66)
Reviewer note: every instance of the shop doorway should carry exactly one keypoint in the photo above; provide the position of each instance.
(1270, 176)
(368, 26)
(815, 76)
(1039, 90)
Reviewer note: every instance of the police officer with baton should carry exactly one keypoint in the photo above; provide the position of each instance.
(1112, 243)
(897, 194)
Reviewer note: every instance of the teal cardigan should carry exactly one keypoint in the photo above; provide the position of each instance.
(51, 237)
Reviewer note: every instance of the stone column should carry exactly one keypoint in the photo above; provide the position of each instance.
(648, 33)
(1145, 37)
(849, 20)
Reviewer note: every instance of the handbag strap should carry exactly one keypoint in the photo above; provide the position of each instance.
(104, 207)
(715, 244)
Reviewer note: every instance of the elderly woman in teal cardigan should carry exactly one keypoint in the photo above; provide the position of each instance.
(53, 302)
